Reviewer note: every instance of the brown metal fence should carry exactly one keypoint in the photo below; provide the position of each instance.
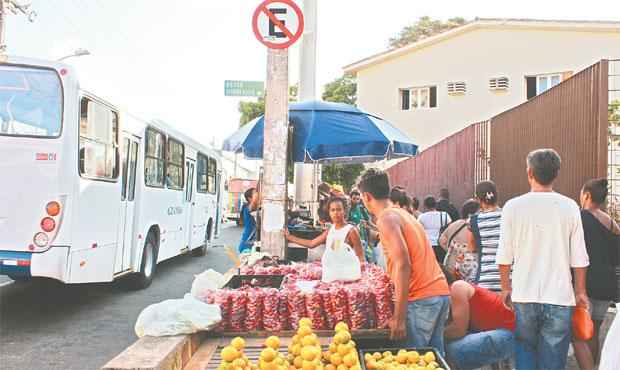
(454, 163)
(570, 118)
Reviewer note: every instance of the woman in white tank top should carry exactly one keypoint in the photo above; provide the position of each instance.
(339, 233)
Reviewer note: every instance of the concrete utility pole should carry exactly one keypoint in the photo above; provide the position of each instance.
(307, 51)
(274, 190)
(307, 176)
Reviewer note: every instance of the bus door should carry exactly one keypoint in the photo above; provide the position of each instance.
(190, 204)
(129, 158)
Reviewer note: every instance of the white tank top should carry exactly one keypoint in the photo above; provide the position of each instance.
(337, 237)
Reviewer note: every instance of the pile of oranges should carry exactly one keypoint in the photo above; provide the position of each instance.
(233, 357)
(304, 353)
(403, 360)
(342, 353)
(305, 349)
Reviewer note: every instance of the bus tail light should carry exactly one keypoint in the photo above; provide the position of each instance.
(41, 240)
(48, 224)
(53, 208)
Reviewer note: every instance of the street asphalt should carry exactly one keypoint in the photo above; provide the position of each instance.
(45, 325)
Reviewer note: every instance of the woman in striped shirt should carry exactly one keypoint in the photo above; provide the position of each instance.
(485, 227)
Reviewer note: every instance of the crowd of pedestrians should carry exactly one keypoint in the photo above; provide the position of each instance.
(511, 276)
(488, 285)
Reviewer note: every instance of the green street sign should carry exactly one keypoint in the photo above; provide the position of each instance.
(244, 88)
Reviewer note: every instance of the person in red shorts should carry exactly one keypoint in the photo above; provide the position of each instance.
(482, 328)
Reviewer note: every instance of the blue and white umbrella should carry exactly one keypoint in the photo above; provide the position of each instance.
(328, 132)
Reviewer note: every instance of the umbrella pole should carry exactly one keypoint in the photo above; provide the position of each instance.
(315, 187)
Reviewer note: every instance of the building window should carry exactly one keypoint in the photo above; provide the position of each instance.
(419, 98)
(404, 100)
(211, 176)
(98, 141)
(539, 84)
(457, 88)
(174, 165)
(498, 83)
(201, 174)
(154, 158)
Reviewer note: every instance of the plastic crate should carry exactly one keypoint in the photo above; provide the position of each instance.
(421, 350)
(305, 232)
(260, 281)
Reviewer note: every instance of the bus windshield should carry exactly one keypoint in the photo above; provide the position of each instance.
(30, 102)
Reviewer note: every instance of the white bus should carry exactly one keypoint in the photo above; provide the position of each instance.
(89, 193)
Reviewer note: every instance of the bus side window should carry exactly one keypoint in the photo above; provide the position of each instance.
(133, 162)
(201, 174)
(154, 158)
(174, 164)
(98, 141)
(211, 175)
(125, 164)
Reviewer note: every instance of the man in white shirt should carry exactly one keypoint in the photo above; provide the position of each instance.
(541, 238)
(434, 222)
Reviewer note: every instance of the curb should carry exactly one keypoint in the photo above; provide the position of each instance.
(157, 353)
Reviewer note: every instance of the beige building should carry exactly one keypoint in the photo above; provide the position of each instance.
(441, 84)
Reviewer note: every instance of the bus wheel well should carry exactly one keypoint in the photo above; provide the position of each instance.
(209, 229)
(202, 250)
(154, 230)
(148, 261)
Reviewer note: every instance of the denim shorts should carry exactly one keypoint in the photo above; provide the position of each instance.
(542, 336)
(426, 320)
(480, 349)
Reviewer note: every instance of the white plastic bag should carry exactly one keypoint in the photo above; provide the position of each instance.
(340, 263)
(177, 316)
(610, 355)
(205, 281)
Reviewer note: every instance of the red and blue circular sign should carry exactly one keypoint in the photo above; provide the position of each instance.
(277, 24)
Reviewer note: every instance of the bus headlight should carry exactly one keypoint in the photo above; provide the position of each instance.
(41, 239)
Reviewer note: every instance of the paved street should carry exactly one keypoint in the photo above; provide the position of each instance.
(45, 325)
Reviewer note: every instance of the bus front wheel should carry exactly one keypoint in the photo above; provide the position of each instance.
(144, 277)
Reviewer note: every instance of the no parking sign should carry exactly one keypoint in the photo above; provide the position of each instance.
(278, 23)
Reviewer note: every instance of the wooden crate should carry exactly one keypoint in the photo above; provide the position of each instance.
(207, 357)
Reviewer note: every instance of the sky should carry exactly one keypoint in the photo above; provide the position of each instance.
(169, 59)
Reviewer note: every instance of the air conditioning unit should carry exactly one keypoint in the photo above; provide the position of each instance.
(498, 83)
(457, 88)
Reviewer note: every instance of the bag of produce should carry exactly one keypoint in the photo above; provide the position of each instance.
(206, 281)
(177, 316)
(339, 263)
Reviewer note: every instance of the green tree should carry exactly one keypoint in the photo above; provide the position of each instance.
(343, 174)
(252, 109)
(341, 90)
(423, 28)
(614, 112)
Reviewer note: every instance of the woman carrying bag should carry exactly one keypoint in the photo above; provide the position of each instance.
(457, 240)
(337, 235)
(601, 237)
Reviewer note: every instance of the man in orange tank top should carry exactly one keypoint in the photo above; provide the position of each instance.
(422, 303)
